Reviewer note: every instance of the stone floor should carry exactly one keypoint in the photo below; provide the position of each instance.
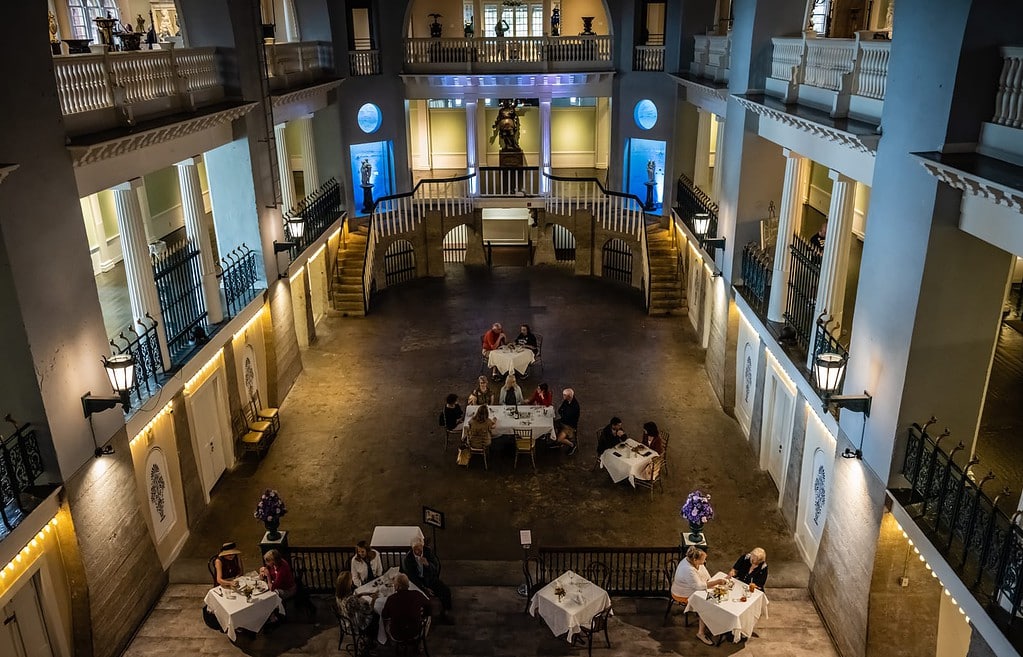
(489, 621)
(997, 443)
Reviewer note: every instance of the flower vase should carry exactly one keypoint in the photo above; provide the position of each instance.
(271, 529)
(695, 532)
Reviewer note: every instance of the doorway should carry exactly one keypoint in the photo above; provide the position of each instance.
(23, 632)
(506, 239)
(206, 412)
(779, 408)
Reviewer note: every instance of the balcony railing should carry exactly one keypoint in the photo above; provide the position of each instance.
(141, 341)
(21, 464)
(509, 181)
(843, 77)
(1009, 101)
(238, 275)
(982, 542)
(489, 54)
(319, 210)
(711, 57)
(757, 267)
(648, 58)
(110, 89)
(296, 64)
(364, 62)
(804, 274)
(691, 200)
(178, 277)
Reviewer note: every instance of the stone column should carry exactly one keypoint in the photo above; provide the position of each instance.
(701, 172)
(284, 166)
(715, 183)
(545, 143)
(307, 142)
(138, 264)
(106, 257)
(797, 168)
(831, 287)
(471, 143)
(199, 235)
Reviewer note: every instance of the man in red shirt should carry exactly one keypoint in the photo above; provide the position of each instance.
(493, 339)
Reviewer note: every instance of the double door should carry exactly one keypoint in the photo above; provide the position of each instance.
(23, 631)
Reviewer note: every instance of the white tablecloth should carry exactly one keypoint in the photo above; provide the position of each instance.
(622, 463)
(582, 601)
(505, 358)
(382, 587)
(238, 613)
(391, 536)
(538, 418)
(731, 615)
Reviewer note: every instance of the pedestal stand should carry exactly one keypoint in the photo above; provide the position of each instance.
(281, 544)
(367, 198)
(686, 542)
(512, 158)
(649, 203)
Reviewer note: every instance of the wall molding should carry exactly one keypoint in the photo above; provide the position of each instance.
(974, 185)
(859, 143)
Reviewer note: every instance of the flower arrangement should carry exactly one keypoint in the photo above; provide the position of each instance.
(697, 509)
(270, 507)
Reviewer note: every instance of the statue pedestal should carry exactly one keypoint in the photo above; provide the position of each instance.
(512, 158)
(649, 203)
(367, 198)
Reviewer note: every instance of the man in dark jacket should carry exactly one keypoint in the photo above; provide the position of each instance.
(568, 414)
(423, 569)
(405, 609)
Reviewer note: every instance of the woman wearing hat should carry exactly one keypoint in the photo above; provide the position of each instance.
(228, 564)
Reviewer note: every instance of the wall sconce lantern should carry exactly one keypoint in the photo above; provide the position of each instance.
(296, 227)
(121, 372)
(701, 222)
(829, 373)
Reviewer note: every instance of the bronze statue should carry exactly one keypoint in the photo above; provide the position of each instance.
(506, 126)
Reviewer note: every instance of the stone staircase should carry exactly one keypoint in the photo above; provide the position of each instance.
(347, 297)
(665, 285)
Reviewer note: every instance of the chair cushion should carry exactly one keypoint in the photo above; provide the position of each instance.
(252, 437)
(260, 425)
(267, 412)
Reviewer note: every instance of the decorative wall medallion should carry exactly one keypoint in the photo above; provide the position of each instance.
(820, 494)
(250, 372)
(747, 374)
(161, 499)
(157, 485)
(369, 117)
(645, 114)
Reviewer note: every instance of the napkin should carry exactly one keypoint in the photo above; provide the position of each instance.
(617, 454)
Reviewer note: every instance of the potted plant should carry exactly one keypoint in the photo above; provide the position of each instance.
(269, 510)
(697, 510)
(436, 28)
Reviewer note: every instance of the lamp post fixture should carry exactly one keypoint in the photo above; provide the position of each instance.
(296, 227)
(829, 374)
(121, 373)
(701, 224)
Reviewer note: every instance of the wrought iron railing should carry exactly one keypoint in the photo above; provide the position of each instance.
(144, 345)
(982, 542)
(21, 464)
(178, 276)
(318, 567)
(690, 201)
(238, 274)
(632, 570)
(804, 274)
(319, 209)
(757, 266)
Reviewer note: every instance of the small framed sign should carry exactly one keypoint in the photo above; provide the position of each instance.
(433, 517)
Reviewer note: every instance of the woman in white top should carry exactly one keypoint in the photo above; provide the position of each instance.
(511, 393)
(692, 576)
(366, 565)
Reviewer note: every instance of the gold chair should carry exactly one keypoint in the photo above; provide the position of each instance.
(452, 434)
(525, 444)
(477, 448)
(255, 424)
(669, 575)
(654, 473)
(665, 437)
(538, 356)
(269, 414)
(251, 440)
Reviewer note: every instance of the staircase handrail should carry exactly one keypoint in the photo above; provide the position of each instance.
(600, 186)
(391, 197)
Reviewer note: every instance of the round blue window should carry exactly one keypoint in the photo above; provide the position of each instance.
(645, 114)
(369, 118)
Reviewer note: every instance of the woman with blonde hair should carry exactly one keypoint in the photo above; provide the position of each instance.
(692, 576)
(356, 609)
(751, 568)
(511, 393)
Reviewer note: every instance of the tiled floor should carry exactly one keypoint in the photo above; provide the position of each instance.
(489, 621)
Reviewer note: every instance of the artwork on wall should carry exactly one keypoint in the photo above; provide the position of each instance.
(369, 118)
(645, 114)
(644, 171)
(372, 173)
(161, 499)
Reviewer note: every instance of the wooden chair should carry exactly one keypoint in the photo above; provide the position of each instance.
(654, 469)
(211, 565)
(669, 576)
(360, 642)
(484, 450)
(597, 624)
(525, 444)
(665, 437)
(251, 440)
(255, 424)
(538, 356)
(269, 413)
(452, 434)
(402, 644)
(532, 568)
(598, 573)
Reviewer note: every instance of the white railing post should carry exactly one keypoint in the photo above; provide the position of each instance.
(1009, 101)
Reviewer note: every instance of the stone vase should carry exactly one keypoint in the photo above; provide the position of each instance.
(271, 529)
(696, 532)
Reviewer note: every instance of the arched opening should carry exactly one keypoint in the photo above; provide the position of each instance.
(455, 243)
(616, 261)
(399, 263)
(564, 243)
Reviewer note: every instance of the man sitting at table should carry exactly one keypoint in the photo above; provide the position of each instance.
(365, 565)
(610, 435)
(404, 610)
(568, 422)
(228, 565)
(423, 569)
(493, 339)
(751, 568)
(526, 339)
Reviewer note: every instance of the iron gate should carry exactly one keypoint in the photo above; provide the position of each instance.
(616, 261)
(564, 244)
(178, 276)
(455, 243)
(804, 275)
(399, 263)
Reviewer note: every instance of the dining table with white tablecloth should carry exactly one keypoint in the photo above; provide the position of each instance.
(509, 357)
(236, 611)
(383, 588)
(731, 613)
(385, 536)
(579, 601)
(627, 460)
(538, 418)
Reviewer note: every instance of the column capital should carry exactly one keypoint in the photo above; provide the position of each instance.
(189, 161)
(791, 154)
(839, 177)
(134, 183)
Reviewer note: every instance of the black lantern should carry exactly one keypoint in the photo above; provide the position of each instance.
(829, 374)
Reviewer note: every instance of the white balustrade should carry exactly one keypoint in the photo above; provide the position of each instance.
(787, 59)
(367, 265)
(509, 181)
(298, 60)
(143, 75)
(83, 83)
(648, 58)
(828, 61)
(1009, 101)
(364, 62)
(701, 45)
(198, 66)
(872, 69)
(494, 53)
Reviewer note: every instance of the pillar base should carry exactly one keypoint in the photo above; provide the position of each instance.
(367, 198)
